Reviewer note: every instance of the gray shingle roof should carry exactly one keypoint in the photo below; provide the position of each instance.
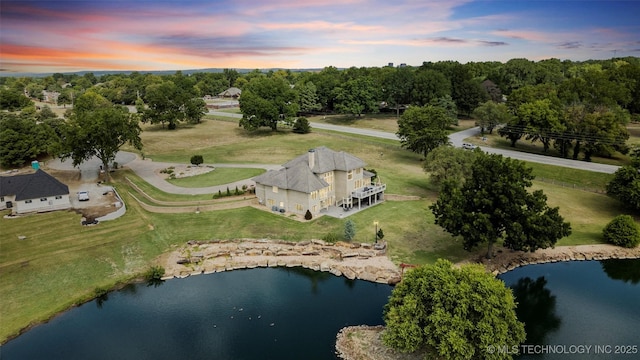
(297, 175)
(32, 186)
(327, 160)
(298, 178)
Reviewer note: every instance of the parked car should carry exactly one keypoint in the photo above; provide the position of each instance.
(468, 146)
(83, 196)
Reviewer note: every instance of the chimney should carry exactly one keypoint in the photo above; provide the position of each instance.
(312, 158)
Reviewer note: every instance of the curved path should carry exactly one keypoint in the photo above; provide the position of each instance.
(148, 170)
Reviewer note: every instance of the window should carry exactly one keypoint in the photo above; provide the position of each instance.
(350, 175)
(275, 189)
(43, 199)
(1, 198)
(358, 170)
(27, 201)
(299, 207)
(271, 202)
(58, 197)
(315, 208)
(314, 195)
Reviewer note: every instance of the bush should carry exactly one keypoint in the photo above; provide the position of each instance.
(622, 231)
(197, 160)
(302, 126)
(154, 273)
(307, 215)
(330, 238)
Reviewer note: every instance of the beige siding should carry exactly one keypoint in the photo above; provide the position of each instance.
(39, 205)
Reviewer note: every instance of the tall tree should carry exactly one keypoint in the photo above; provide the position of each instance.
(397, 86)
(494, 204)
(265, 101)
(168, 103)
(447, 163)
(308, 100)
(23, 138)
(452, 313)
(357, 96)
(99, 131)
(422, 129)
(428, 85)
(491, 114)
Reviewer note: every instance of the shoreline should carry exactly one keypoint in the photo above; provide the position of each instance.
(361, 261)
(362, 342)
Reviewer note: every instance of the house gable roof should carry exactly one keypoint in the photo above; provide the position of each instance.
(297, 178)
(231, 92)
(326, 160)
(32, 186)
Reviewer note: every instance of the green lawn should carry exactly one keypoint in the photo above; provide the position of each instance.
(219, 176)
(61, 263)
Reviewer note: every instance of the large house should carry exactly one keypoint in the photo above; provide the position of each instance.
(35, 192)
(317, 180)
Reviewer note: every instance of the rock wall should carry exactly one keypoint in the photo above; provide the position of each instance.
(351, 260)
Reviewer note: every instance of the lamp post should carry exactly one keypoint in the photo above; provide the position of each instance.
(375, 223)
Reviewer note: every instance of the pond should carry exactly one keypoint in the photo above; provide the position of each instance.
(579, 309)
(588, 309)
(272, 313)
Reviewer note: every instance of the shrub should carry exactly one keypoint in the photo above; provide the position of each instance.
(330, 238)
(307, 215)
(622, 231)
(197, 160)
(349, 230)
(302, 126)
(154, 273)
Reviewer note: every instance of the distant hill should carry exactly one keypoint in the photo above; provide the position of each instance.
(4, 73)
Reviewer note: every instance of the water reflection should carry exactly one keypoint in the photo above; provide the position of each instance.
(625, 270)
(536, 308)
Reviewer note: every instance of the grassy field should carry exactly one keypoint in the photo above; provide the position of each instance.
(219, 176)
(61, 263)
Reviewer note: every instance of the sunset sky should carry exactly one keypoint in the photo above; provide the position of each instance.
(64, 36)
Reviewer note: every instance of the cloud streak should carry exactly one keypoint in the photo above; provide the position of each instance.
(67, 35)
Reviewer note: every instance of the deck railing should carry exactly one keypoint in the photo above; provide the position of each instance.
(369, 190)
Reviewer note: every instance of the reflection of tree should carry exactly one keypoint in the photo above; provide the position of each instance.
(536, 308)
(315, 277)
(101, 299)
(625, 270)
(154, 282)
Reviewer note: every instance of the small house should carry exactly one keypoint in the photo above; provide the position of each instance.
(35, 192)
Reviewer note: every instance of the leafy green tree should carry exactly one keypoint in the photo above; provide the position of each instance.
(23, 139)
(301, 126)
(452, 313)
(349, 230)
(357, 96)
(625, 185)
(447, 163)
(622, 231)
(167, 103)
(13, 99)
(447, 103)
(470, 94)
(307, 97)
(99, 131)
(494, 204)
(491, 114)
(266, 101)
(197, 160)
(422, 129)
(429, 85)
(397, 85)
(543, 121)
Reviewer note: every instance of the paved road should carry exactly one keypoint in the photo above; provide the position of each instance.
(148, 169)
(457, 139)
